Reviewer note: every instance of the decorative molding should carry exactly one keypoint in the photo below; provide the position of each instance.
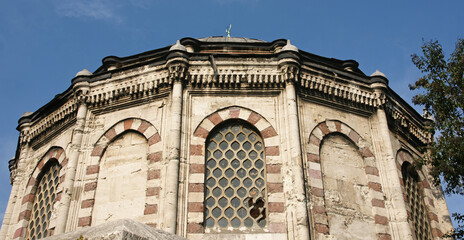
(357, 94)
(399, 118)
(134, 86)
(51, 123)
(235, 78)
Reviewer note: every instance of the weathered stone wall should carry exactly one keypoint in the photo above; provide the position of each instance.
(346, 192)
(131, 144)
(124, 151)
(122, 180)
(33, 160)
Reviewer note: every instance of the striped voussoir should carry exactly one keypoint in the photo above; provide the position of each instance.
(54, 153)
(405, 156)
(154, 158)
(197, 167)
(315, 176)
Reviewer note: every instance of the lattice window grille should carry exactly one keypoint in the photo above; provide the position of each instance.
(416, 203)
(235, 189)
(43, 204)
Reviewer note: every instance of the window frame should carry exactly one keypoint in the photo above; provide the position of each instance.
(258, 203)
(52, 171)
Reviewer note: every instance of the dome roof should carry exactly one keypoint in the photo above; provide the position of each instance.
(230, 39)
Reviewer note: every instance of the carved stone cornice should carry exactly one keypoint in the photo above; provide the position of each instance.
(290, 72)
(13, 171)
(403, 122)
(81, 92)
(235, 77)
(178, 70)
(336, 89)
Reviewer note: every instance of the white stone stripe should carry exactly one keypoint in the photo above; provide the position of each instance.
(151, 131)
(196, 197)
(315, 166)
(262, 124)
(119, 128)
(244, 114)
(274, 178)
(272, 141)
(317, 183)
(136, 123)
(197, 178)
(207, 124)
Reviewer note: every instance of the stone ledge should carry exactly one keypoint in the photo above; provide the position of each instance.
(124, 229)
(238, 236)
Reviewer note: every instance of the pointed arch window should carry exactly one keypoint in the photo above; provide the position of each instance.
(235, 178)
(43, 202)
(414, 195)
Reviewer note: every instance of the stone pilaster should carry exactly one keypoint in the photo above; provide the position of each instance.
(394, 202)
(177, 65)
(16, 177)
(289, 66)
(81, 89)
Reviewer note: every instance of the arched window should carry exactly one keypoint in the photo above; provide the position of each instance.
(415, 199)
(43, 203)
(235, 192)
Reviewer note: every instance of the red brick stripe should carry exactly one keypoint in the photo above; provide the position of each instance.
(254, 118)
(154, 157)
(110, 134)
(215, 119)
(201, 132)
(143, 126)
(195, 207)
(268, 132)
(92, 169)
(154, 139)
(84, 221)
(153, 174)
(128, 124)
(150, 209)
(196, 187)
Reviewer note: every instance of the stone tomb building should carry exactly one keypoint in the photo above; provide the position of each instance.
(226, 138)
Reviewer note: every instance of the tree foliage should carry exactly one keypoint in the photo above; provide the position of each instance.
(441, 92)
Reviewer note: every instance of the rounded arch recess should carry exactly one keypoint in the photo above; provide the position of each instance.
(314, 175)
(404, 156)
(154, 156)
(140, 126)
(196, 165)
(55, 155)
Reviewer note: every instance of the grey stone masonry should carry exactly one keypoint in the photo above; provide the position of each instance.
(124, 229)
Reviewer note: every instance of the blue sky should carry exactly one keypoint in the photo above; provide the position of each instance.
(44, 43)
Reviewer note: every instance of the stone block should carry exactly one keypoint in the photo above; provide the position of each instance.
(124, 229)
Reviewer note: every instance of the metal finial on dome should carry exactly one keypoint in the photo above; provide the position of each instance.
(228, 30)
(289, 47)
(378, 73)
(84, 72)
(178, 46)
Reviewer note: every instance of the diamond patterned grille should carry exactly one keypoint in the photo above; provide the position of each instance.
(235, 194)
(43, 204)
(416, 203)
